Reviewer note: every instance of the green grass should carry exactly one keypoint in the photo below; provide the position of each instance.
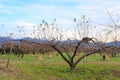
(29, 68)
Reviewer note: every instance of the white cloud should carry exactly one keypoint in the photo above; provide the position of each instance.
(63, 10)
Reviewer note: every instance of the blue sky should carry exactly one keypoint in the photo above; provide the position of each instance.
(32, 12)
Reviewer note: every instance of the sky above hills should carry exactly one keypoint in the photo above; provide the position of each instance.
(32, 12)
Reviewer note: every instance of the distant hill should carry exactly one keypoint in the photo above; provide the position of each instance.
(35, 40)
(4, 39)
(7, 39)
(113, 43)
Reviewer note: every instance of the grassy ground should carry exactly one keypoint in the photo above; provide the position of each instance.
(29, 68)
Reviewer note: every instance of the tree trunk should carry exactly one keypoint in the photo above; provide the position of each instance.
(7, 63)
(104, 57)
(49, 56)
(72, 67)
(78, 56)
(39, 56)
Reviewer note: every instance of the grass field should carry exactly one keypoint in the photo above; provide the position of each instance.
(29, 68)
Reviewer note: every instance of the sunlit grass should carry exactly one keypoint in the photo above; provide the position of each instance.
(29, 68)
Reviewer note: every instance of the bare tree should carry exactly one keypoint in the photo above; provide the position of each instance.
(73, 47)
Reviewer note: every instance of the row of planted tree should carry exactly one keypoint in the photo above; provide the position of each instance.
(60, 43)
(67, 49)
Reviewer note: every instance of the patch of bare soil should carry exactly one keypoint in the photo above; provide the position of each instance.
(116, 73)
(10, 71)
(116, 63)
(55, 78)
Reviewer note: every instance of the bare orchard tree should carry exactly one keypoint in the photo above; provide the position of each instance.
(113, 30)
(69, 49)
(114, 26)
